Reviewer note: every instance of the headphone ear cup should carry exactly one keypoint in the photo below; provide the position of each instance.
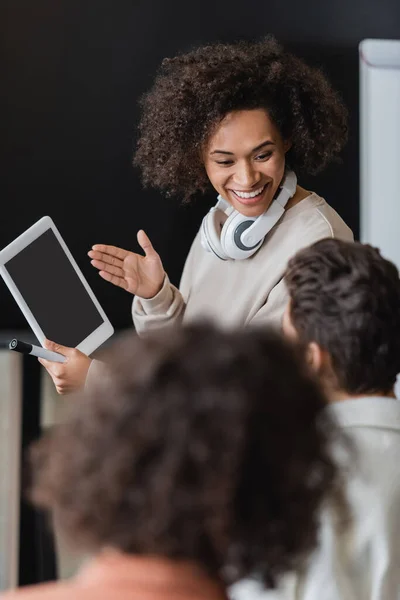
(230, 241)
(211, 229)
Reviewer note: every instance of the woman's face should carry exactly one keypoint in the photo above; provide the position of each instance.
(245, 160)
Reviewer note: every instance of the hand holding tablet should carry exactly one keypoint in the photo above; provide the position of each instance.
(71, 374)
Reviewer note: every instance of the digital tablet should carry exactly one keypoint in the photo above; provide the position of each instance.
(51, 290)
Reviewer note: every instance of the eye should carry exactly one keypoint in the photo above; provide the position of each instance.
(264, 156)
(224, 162)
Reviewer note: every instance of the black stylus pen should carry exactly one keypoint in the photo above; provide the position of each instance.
(25, 348)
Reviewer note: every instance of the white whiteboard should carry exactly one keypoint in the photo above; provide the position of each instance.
(380, 147)
(10, 441)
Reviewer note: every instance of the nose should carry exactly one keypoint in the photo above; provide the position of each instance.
(246, 176)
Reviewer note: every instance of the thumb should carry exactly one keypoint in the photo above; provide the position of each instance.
(145, 244)
(64, 350)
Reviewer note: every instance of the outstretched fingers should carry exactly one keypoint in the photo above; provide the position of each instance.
(115, 279)
(108, 253)
(105, 259)
(103, 266)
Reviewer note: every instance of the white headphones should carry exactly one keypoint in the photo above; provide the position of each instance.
(230, 235)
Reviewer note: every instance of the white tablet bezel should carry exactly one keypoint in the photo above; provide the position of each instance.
(93, 340)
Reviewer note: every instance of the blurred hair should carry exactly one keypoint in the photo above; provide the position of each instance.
(194, 444)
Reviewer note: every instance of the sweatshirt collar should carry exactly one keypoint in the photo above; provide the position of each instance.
(367, 411)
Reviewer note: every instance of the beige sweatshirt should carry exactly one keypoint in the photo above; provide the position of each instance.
(242, 292)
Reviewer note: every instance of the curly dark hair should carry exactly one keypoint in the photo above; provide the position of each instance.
(194, 444)
(195, 91)
(346, 297)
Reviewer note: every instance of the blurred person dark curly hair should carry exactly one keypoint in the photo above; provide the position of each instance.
(194, 445)
(346, 297)
(193, 92)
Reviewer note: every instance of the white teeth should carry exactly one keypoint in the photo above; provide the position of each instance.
(249, 195)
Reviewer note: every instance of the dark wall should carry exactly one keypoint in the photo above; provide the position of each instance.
(71, 74)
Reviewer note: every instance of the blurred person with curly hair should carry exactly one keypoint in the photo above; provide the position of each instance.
(344, 310)
(205, 463)
(244, 119)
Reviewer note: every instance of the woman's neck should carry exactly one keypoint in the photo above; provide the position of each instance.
(152, 576)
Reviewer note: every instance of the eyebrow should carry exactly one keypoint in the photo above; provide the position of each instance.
(266, 143)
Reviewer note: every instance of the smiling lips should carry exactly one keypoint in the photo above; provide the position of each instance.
(249, 197)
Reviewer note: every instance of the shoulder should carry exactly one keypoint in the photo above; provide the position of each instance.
(313, 219)
(309, 221)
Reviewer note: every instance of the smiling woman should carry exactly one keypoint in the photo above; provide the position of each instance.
(245, 119)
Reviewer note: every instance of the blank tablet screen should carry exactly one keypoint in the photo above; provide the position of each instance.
(53, 291)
